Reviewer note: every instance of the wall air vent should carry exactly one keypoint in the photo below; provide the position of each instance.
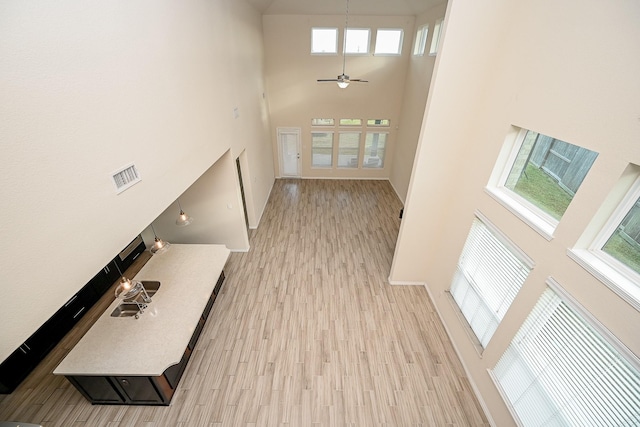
(125, 177)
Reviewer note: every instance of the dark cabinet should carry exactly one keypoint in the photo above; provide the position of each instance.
(22, 361)
(143, 390)
(16, 368)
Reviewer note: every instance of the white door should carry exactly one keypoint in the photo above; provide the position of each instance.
(289, 148)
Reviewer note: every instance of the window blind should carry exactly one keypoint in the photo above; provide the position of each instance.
(561, 371)
(487, 279)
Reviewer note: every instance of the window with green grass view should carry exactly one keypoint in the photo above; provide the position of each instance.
(321, 149)
(547, 172)
(624, 243)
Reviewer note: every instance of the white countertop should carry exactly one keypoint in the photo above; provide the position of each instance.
(157, 340)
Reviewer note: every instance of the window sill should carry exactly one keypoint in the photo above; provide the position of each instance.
(539, 224)
(615, 280)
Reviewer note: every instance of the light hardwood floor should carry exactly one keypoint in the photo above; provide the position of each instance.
(305, 332)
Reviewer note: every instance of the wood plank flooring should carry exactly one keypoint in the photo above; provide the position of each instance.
(306, 332)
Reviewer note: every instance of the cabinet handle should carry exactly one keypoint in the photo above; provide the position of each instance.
(22, 349)
(78, 313)
(26, 345)
(137, 255)
(106, 269)
(125, 382)
(71, 300)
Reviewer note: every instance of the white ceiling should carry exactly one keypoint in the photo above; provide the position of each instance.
(338, 7)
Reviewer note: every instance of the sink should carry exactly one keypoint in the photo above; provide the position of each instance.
(130, 308)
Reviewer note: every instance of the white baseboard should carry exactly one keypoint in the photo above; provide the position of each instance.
(405, 283)
(475, 389)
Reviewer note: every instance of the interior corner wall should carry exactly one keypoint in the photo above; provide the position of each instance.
(414, 100)
(532, 64)
(87, 90)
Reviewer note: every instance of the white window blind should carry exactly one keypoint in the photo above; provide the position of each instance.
(559, 370)
(487, 279)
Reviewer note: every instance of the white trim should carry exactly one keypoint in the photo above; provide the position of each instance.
(344, 44)
(593, 322)
(420, 43)
(625, 205)
(505, 398)
(513, 248)
(474, 387)
(288, 131)
(611, 277)
(473, 338)
(529, 217)
(324, 53)
(264, 205)
(400, 43)
(405, 282)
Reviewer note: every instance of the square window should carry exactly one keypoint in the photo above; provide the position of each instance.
(435, 39)
(378, 122)
(374, 150)
(322, 149)
(324, 40)
(350, 122)
(489, 275)
(421, 41)
(356, 40)
(624, 243)
(609, 248)
(348, 149)
(322, 122)
(540, 178)
(388, 42)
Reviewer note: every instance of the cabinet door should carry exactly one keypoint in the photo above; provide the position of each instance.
(15, 369)
(97, 389)
(139, 390)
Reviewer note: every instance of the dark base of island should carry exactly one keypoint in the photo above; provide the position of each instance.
(142, 390)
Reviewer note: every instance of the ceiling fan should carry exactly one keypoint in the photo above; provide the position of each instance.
(343, 79)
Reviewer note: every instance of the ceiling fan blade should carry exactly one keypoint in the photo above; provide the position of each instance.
(327, 80)
(360, 80)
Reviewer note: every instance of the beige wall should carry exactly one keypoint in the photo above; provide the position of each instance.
(564, 68)
(214, 202)
(86, 90)
(295, 97)
(413, 103)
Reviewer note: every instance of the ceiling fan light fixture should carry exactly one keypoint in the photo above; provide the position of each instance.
(343, 84)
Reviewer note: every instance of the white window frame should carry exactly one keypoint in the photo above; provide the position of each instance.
(351, 132)
(314, 124)
(373, 125)
(345, 39)
(386, 149)
(515, 253)
(532, 215)
(435, 38)
(590, 320)
(421, 40)
(333, 146)
(400, 42)
(588, 253)
(335, 52)
(349, 124)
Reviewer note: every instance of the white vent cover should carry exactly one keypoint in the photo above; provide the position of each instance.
(125, 177)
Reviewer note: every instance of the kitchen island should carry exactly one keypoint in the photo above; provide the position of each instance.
(139, 361)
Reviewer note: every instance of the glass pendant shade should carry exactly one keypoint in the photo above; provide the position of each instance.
(343, 85)
(183, 219)
(128, 289)
(159, 246)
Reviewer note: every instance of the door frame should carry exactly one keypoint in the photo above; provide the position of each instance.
(288, 131)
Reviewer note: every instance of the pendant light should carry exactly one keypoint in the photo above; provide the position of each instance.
(183, 219)
(159, 245)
